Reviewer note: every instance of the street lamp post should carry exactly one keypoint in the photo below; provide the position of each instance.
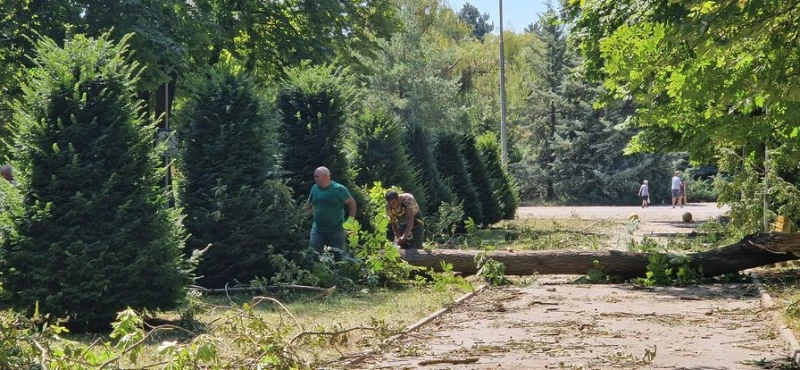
(503, 129)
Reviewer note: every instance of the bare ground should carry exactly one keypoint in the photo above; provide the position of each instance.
(554, 324)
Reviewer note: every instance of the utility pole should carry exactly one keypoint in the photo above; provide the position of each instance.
(503, 128)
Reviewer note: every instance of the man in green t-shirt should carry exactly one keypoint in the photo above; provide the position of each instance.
(327, 201)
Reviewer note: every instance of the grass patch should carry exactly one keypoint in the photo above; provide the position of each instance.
(535, 234)
(783, 284)
(387, 311)
(305, 329)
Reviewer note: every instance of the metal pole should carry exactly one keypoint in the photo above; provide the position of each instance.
(503, 128)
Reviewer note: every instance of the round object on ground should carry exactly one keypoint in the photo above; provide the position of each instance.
(633, 216)
(687, 217)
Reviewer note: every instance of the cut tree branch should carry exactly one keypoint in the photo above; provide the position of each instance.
(752, 251)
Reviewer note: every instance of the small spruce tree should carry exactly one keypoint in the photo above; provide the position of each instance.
(503, 184)
(421, 158)
(312, 106)
(451, 165)
(86, 231)
(381, 156)
(226, 196)
(490, 206)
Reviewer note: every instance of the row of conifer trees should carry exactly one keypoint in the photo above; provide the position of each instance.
(86, 231)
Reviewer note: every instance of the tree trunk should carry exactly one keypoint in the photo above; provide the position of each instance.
(752, 251)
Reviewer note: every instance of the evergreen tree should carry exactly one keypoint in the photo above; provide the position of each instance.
(312, 105)
(381, 156)
(92, 234)
(490, 206)
(451, 166)
(503, 184)
(226, 196)
(577, 154)
(421, 157)
(470, 15)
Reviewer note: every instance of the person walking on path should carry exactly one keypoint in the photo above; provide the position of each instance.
(676, 189)
(644, 192)
(406, 219)
(326, 202)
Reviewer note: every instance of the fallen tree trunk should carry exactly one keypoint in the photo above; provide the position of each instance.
(752, 251)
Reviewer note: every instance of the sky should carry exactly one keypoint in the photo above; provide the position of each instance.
(516, 13)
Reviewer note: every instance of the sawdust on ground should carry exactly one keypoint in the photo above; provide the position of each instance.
(553, 324)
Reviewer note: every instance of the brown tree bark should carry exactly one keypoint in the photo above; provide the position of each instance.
(752, 251)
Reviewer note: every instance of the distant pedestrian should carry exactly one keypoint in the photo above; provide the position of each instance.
(676, 189)
(682, 193)
(644, 192)
(7, 172)
(326, 202)
(406, 219)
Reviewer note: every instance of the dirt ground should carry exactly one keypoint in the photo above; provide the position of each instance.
(553, 324)
(660, 222)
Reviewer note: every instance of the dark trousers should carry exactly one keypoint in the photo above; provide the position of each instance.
(417, 236)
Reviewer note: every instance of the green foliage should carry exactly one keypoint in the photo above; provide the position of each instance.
(240, 330)
(446, 223)
(492, 271)
(378, 259)
(228, 201)
(381, 156)
(663, 269)
(411, 73)
(647, 245)
(576, 152)
(444, 279)
(312, 104)
(596, 275)
(503, 185)
(708, 79)
(92, 233)
(451, 166)
(421, 157)
(476, 168)
(470, 15)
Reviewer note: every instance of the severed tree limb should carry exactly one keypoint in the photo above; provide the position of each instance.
(454, 361)
(255, 289)
(332, 333)
(752, 251)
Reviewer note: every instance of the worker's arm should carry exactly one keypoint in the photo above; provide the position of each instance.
(395, 228)
(409, 223)
(351, 207)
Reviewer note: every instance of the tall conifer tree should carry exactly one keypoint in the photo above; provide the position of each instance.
(227, 198)
(86, 231)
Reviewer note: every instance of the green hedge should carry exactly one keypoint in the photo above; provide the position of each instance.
(226, 196)
(86, 232)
